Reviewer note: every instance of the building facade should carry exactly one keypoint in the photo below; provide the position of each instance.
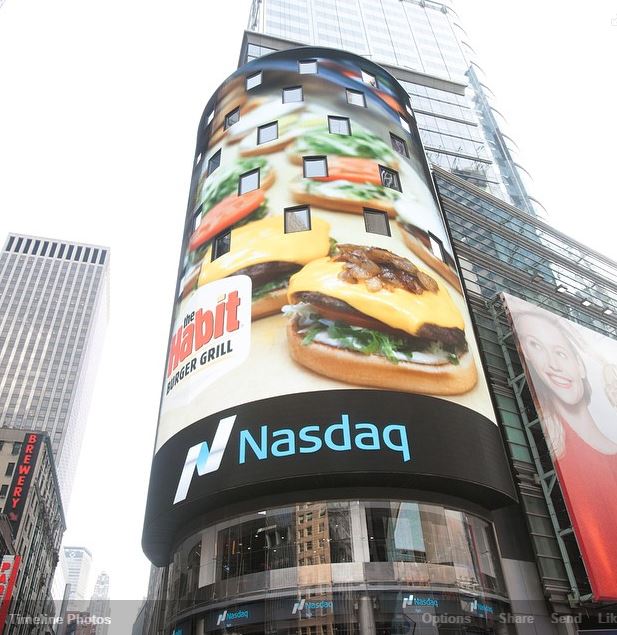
(77, 563)
(424, 45)
(100, 606)
(338, 547)
(31, 502)
(53, 310)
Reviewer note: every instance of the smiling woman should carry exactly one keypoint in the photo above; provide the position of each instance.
(558, 359)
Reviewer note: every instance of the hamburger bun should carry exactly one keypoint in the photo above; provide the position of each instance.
(338, 204)
(269, 304)
(378, 372)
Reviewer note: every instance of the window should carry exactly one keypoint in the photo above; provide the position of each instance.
(315, 166)
(436, 246)
(399, 145)
(307, 67)
(356, 98)
(9, 469)
(389, 178)
(222, 244)
(339, 125)
(405, 124)
(369, 79)
(253, 80)
(210, 118)
(268, 132)
(249, 181)
(292, 94)
(3, 490)
(214, 161)
(232, 118)
(297, 219)
(376, 222)
(16, 447)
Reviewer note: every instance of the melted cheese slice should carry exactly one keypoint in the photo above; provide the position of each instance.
(265, 240)
(397, 308)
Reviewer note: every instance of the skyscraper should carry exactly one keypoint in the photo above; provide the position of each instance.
(53, 311)
(277, 501)
(77, 562)
(100, 606)
(425, 47)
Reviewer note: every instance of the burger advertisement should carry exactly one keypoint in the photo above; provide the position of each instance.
(342, 349)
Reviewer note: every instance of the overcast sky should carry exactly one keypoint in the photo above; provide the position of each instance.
(99, 106)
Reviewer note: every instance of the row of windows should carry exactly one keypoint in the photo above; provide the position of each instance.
(309, 67)
(336, 125)
(298, 219)
(293, 94)
(37, 247)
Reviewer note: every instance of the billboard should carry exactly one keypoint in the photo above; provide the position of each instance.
(9, 568)
(22, 477)
(316, 271)
(572, 375)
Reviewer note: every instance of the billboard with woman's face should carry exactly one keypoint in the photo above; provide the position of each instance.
(572, 375)
(320, 334)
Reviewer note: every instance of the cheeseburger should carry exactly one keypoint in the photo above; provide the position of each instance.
(268, 255)
(367, 316)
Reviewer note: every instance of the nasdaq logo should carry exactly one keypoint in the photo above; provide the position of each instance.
(303, 605)
(204, 459)
(227, 616)
(479, 607)
(414, 600)
(275, 443)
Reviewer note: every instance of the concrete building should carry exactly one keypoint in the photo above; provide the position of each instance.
(331, 543)
(100, 604)
(424, 45)
(77, 563)
(53, 311)
(31, 503)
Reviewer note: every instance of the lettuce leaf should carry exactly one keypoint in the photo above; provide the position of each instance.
(359, 144)
(219, 186)
(273, 285)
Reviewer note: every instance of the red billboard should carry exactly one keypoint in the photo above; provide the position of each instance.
(572, 375)
(8, 574)
(22, 477)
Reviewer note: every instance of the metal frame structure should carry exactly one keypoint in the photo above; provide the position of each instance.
(547, 479)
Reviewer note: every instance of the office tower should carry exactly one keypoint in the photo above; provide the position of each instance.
(100, 606)
(326, 461)
(77, 563)
(32, 509)
(53, 311)
(425, 47)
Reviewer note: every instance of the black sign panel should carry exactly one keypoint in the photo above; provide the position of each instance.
(321, 442)
(22, 477)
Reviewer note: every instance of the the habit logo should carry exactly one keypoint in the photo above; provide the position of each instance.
(204, 459)
(298, 606)
(408, 601)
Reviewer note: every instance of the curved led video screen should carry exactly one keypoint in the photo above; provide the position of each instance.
(320, 337)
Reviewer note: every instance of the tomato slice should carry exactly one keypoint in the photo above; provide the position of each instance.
(224, 214)
(352, 169)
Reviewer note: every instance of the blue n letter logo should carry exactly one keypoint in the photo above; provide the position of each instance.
(204, 459)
